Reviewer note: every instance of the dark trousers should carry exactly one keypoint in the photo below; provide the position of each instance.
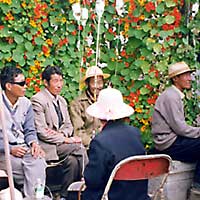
(3, 183)
(186, 150)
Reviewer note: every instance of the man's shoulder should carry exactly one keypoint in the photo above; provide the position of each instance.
(24, 101)
(169, 93)
(81, 97)
(39, 95)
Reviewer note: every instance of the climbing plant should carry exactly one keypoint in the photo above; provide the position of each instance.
(136, 45)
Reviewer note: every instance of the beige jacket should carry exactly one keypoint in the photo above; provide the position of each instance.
(46, 117)
(84, 125)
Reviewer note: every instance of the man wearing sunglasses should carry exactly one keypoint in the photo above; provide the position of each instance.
(26, 155)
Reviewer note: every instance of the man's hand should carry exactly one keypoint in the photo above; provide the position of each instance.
(18, 151)
(72, 140)
(51, 132)
(36, 150)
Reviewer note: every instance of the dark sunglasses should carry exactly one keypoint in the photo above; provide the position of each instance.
(22, 83)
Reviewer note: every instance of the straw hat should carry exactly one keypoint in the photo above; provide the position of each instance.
(110, 106)
(178, 68)
(94, 71)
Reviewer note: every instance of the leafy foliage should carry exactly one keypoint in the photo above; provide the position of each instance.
(135, 48)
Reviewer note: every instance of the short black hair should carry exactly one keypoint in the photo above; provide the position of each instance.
(8, 75)
(50, 70)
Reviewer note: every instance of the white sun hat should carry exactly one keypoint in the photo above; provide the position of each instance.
(110, 106)
(178, 68)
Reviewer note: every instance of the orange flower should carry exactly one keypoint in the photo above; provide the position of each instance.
(46, 51)
(9, 16)
(150, 7)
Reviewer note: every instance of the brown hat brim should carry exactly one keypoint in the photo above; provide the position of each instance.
(176, 73)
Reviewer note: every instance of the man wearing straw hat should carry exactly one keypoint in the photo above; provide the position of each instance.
(115, 142)
(27, 158)
(84, 125)
(171, 134)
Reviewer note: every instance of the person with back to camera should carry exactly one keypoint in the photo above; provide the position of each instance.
(86, 126)
(27, 157)
(55, 130)
(171, 134)
(115, 142)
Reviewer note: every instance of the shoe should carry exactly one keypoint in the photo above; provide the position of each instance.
(63, 198)
(195, 188)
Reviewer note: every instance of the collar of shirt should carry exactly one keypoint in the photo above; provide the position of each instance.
(54, 98)
(12, 107)
(181, 93)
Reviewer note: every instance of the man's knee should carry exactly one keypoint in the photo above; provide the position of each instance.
(72, 161)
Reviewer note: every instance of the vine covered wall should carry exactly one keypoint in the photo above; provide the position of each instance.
(136, 44)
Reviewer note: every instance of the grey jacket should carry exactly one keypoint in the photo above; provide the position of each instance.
(169, 121)
(46, 117)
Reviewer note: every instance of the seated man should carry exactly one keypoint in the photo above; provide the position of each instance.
(84, 125)
(26, 155)
(171, 134)
(105, 151)
(55, 130)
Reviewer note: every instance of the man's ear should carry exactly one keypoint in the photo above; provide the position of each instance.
(45, 83)
(8, 86)
(174, 79)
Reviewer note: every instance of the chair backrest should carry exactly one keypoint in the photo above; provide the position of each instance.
(139, 168)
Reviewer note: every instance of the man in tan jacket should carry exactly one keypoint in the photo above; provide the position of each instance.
(84, 125)
(55, 130)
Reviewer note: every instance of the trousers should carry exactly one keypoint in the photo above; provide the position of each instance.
(186, 150)
(73, 164)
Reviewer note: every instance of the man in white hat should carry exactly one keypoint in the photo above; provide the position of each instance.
(115, 142)
(171, 134)
(84, 125)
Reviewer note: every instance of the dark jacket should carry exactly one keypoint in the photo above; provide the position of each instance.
(116, 142)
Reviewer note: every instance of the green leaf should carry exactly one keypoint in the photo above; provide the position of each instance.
(29, 46)
(144, 65)
(45, 24)
(154, 81)
(170, 3)
(18, 38)
(39, 41)
(17, 56)
(115, 80)
(72, 39)
(134, 74)
(21, 61)
(124, 72)
(48, 61)
(185, 41)
(30, 55)
(110, 9)
(139, 34)
(162, 66)
(160, 8)
(111, 66)
(136, 12)
(146, 27)
(144, 91)
(109, 37)
(6, 47)
(157, 48)
(169, 19)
